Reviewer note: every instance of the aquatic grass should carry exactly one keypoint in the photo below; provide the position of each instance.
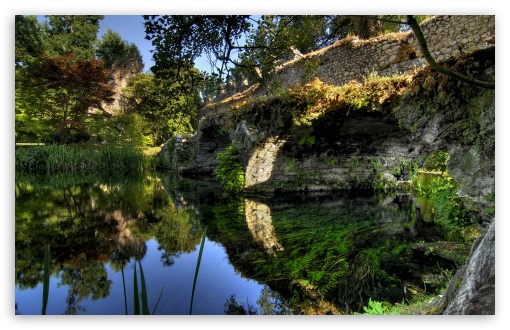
(140, 295)
(46, 278)
(124, 287)
(73, 159)
(145, 304)
(196, 270)
(136, 306)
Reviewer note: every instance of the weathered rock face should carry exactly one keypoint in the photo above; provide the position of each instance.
(459, 119)
(339, 152)
(476, 293)
(175, 153)
(121, 73)
(364, 148)
(473, 288)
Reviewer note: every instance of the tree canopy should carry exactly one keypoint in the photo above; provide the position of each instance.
(115, 51)
(68, 88)
(163, 104)
(64, 34)
(63, 76)
(250, 44)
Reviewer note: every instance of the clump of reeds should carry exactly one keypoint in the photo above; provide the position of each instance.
(73, 159)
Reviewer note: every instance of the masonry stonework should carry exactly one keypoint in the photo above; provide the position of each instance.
(352, 59)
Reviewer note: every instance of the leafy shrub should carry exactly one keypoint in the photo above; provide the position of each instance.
(449, 210)
(437, 161)
(123, 130)
(229, 171)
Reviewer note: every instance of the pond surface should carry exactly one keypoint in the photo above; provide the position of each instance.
(201, 251)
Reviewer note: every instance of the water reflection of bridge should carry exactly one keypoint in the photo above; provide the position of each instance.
(259, 220)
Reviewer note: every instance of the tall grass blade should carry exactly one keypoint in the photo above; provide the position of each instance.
(157, 302)
(124, 285)
(196, 270)
(46, 278)
(145, 304)
(136, 307)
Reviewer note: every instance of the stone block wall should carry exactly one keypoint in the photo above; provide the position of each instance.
(353, 59)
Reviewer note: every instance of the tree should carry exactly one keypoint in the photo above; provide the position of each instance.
(115, 51)
(167, 108)
(180, 39)
(68, 89)
(27, 39)
(253, 45)
(65, 34)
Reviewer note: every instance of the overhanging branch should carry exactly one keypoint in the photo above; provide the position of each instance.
(439, 68)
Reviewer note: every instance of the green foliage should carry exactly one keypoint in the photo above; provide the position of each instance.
(375, 93)
(113, 50)
(378, 308)
(353, 169)
(165, 106)
(491, 209)
(373, 308)
(449, 210)
(437, 161)
(65, 34)
(289, 164)
(122, 130)
(229, 172)
(314, 99)
(405, 167)
(307, 141)
(376, 177)
(27, 39)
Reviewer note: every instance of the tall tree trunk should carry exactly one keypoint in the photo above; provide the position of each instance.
(362, 25)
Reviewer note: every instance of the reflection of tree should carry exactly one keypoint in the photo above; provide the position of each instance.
(89, 280)
(232, 307)
(90, 222)
(271, 303)
(88, 218)
(179, 231)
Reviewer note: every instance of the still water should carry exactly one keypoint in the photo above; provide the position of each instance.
(200, 251)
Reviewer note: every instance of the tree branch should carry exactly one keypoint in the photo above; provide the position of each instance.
(441, 69)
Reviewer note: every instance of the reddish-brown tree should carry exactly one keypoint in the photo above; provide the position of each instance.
(72, 90)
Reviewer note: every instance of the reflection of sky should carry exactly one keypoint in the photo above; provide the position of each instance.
(216, 282)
